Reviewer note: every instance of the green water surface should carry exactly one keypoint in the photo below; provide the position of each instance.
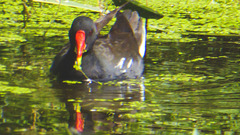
(191, 83)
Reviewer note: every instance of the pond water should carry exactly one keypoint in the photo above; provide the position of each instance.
(187, 88)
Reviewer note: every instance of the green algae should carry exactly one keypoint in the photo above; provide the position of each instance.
(188, 82)
(220, 17)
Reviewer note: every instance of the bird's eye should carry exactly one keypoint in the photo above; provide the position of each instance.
(90, 33)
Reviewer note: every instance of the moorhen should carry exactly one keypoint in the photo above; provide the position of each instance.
(117, 55)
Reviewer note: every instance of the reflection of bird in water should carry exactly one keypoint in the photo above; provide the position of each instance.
(94, 108)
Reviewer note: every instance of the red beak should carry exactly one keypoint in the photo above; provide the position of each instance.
(80, 45)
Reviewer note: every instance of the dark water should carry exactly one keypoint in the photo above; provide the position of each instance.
(187, 88)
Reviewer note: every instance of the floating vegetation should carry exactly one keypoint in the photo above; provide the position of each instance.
(190, 85)
(71, 82)
(4, 87)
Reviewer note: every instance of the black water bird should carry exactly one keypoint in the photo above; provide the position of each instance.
(117, 55)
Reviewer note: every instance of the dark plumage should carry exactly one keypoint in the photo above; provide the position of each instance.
(118, 55)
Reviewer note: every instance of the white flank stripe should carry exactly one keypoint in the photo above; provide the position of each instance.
(142, 47)
(129, 63)
(120, 63)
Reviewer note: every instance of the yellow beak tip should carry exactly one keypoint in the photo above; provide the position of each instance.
(78, 63)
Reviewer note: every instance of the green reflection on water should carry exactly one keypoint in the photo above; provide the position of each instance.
(191, 74)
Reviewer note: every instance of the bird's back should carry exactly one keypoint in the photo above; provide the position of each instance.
(118, 53)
